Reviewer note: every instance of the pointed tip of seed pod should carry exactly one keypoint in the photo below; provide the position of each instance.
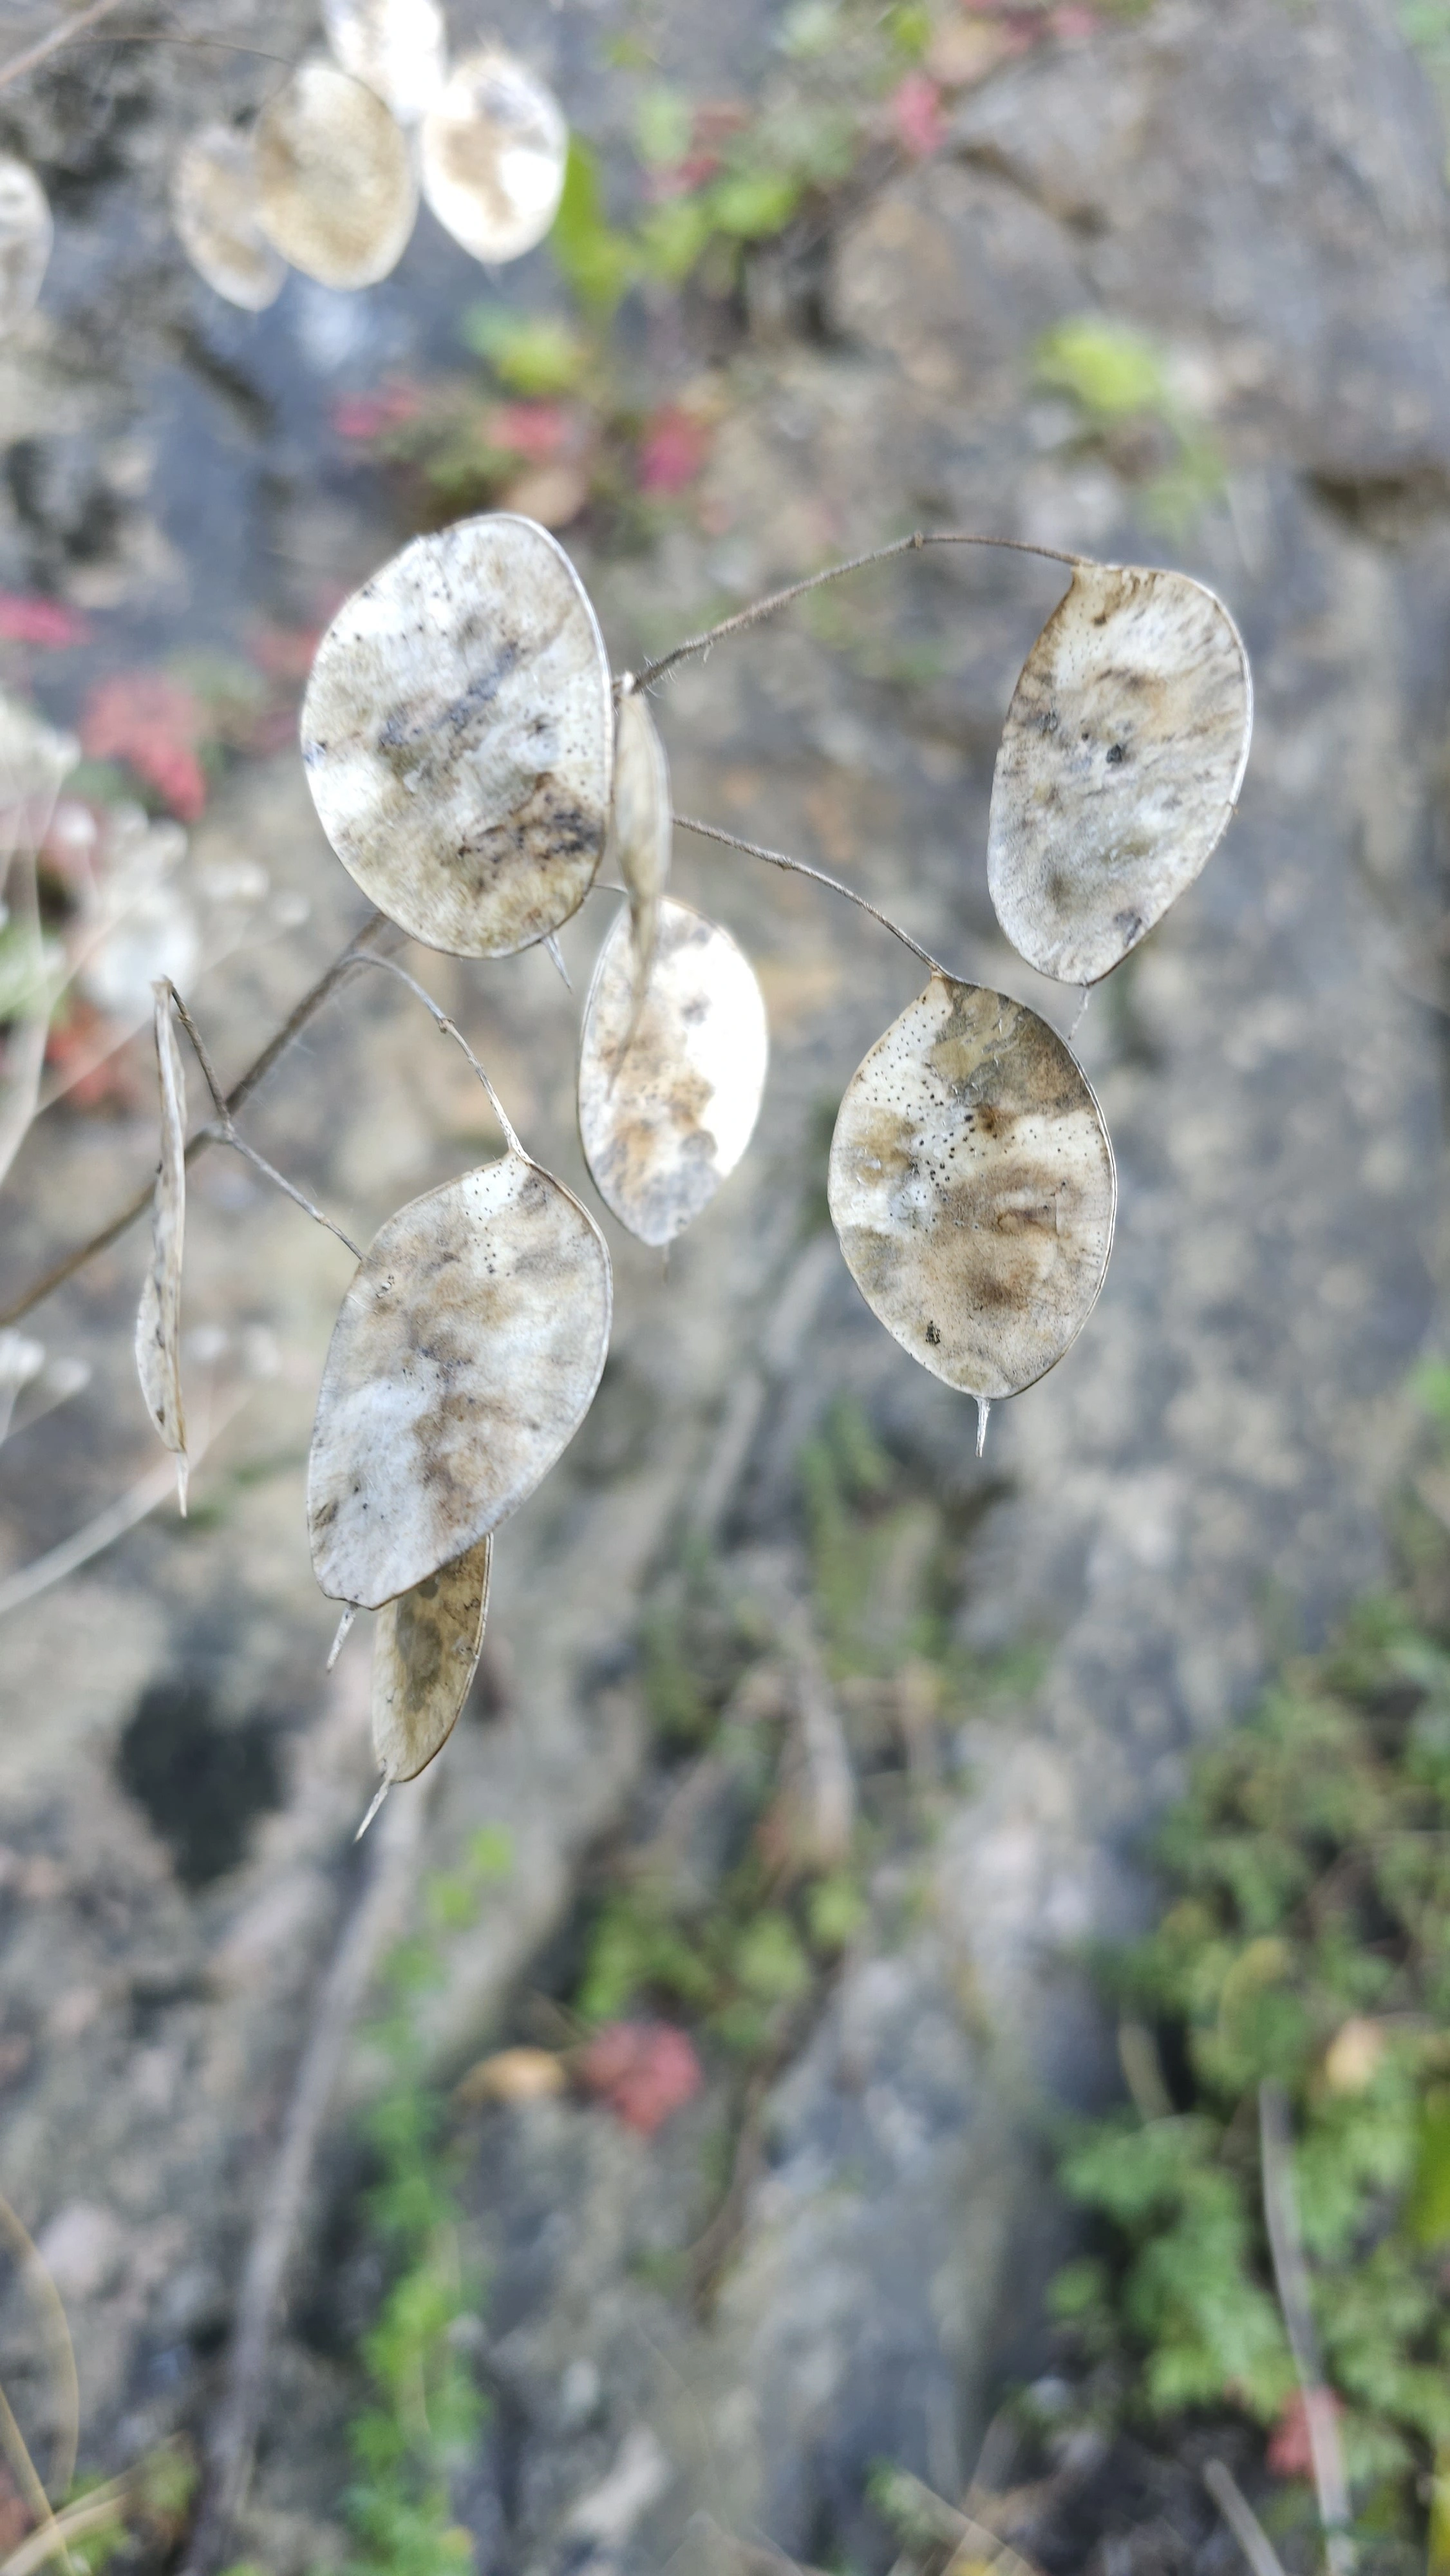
(372, 1811)
(984, 1415)
(349, 1613)
(557, 953)
(181, 1476)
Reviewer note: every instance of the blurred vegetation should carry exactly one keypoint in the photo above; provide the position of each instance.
(1120, 382)
(1306, 1938)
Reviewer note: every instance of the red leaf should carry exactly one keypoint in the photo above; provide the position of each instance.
(916, 115)
(373, 415)
(537, 431)
(642, 2071)
(25, 620)
(155, 724)
(1291, 2454)
(673, 449)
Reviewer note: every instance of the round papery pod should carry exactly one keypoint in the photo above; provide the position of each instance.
(336, 193)
(458, 737)
(494, 146)
(396, 48)
(972, 1188)
(669, 1087)
(465, 1356)
(214, 211)
(1120, 766)
(26, 234)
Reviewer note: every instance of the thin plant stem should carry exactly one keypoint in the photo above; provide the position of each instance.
(761, 608)
(1291, 2280)
(800, 868)
(91, 2513)
(239, 1143)
(126, 1513)
(65, 34)
(1241, 2518)
(28, 2480)
(451, 1029)
(62, 2350)
(358, 949)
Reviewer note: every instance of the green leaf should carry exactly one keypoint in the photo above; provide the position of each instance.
(533, 354)
(752, 204)
(599, 263)
(1112, 371)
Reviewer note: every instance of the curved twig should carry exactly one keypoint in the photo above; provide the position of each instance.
(801, 868)
(238, 1143)
(451, 1029)
(65, 34)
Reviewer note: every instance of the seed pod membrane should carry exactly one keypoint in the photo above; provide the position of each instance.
(972, 1188)
(1120, 766)
(458, 737)
(425, 1652)
(494, 145)
(396, 48)
(214, 210)
(641, 830)
(464, 1359)
(158, 1323)
(26, 235)
(666, 1112)
(336, 193)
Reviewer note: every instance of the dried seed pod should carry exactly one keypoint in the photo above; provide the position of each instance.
(458, 737)
(158, 1323)
(26, 235)
(1120, 766)
(396, 48)
(972, 1188)
(463, 1361)
(425, 1653)
(214, 210)
(641, 830)
(665, 1113)
(494, 145)
(336, 193)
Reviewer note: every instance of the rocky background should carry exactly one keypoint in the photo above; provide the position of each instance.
(833, 2256)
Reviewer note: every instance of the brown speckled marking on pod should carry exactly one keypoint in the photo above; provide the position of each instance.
(458, 737)
(214, 211)
(425, 1652)
(666, 1113)
(494, 147)
(972, 1188)
(465, 1356)
(336, 194)
(1120, 766)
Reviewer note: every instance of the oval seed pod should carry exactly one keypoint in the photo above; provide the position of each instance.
(158, 1321)
(668, 1106)
(425, 1652)
(214, 210)
(641, 828)
(972, 1188)
(396, 48)
(459, 737)
(26, 235)
(463, 1361)
(494, 145)
(336, 193)
(1120, 766)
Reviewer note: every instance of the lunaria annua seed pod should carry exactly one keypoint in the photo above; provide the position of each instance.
(26, 234)
(465, 1356)
(666, 1112)
(425, 1653)
(973, 1190)
(494, 145)
(214, 210)
(641, 828)
(459, 737)
(396, 48)
(335, 187)
(1121, 762)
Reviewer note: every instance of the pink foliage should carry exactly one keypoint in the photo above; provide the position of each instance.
(643, 2071)
(673, 449)
(916, 116)
(537, 431)
(373, 415)
(1071, 21)
(1291, 2454)
(26, 620)
(156, 724)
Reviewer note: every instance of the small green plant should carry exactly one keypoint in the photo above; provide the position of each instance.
(1120, 381)
(1306, 1940)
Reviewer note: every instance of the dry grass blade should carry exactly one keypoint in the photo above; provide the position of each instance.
(62, 2350)
(1242, 2520)
(26, 235)
(336, 193)
(214, 210)
(464, 1359)
(425, 1654)
(1121, 762)
(1291, 2280)
(126, 1513)
(972, 1188)
(158, 1323)
(494, 145)
(669, 1089)
(396, 48)
(93, 2512)
(459, 736)
(641, 830)
(23, 2470)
